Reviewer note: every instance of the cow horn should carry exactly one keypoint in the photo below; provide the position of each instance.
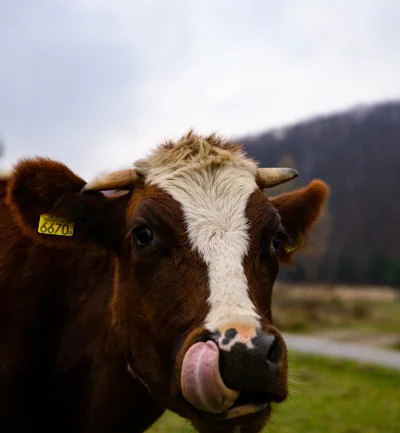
(269, 177)
(122, 179)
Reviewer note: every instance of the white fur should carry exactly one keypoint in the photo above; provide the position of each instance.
(213, 200)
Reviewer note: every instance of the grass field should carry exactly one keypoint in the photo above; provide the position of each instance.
(329, 396)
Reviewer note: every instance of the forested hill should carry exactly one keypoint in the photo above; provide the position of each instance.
(357, 153)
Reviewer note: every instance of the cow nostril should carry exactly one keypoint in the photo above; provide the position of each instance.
(275, 351)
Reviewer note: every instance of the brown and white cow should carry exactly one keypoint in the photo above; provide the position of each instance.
(161, 298)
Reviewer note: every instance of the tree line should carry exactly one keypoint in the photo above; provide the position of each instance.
(357, 153)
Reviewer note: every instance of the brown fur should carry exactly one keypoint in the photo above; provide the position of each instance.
(93, 329)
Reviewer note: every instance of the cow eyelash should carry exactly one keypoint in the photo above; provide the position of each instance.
(142, 235)
(278, 239)
(276, 243)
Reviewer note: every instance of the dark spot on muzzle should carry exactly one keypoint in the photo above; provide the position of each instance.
(230, 334)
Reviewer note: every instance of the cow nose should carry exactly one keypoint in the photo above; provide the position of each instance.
(250, 364)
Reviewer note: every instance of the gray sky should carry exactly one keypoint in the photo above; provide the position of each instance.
(96, 83)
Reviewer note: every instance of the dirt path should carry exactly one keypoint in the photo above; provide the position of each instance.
(356, 352)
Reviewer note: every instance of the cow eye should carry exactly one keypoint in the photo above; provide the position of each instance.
(142, 235)
(276, 243)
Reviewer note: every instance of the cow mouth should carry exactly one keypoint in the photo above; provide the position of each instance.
(202, 385)
(248, 402)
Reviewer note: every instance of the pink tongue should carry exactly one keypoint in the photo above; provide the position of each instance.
(201, 381)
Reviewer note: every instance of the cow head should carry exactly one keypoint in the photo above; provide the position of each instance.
(197, 246)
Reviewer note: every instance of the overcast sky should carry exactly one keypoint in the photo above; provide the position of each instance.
(96, 83)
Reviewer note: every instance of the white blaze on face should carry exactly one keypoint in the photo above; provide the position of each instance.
(214, 205)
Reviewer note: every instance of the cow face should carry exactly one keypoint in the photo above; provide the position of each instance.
(198, 247)
(195, 282)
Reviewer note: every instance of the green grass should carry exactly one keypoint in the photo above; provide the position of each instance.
(386, 316)
(396, 346)
(328, 396)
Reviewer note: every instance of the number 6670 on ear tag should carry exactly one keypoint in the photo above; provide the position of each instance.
(49, 225)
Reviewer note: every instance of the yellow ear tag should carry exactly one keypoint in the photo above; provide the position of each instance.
(49, 225)
(295, 246)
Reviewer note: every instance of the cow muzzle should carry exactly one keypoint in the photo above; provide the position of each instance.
(235, 371)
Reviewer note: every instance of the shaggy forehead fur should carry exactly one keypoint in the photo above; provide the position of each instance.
(193, 153)
(212, 181)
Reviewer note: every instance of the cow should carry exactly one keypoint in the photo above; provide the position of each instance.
(145, 290)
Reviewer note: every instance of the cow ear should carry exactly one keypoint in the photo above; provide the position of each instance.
(40, 189)
(299, 210)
